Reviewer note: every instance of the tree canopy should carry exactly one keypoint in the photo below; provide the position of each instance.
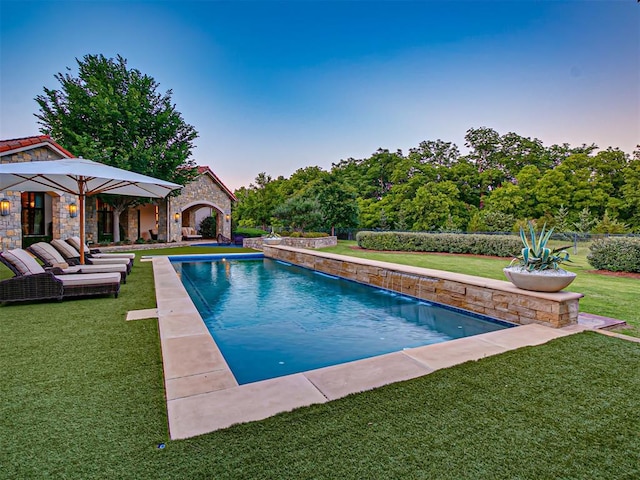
(114, 115)
(501, 181)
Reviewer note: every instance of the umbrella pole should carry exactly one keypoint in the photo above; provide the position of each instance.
(81, 228)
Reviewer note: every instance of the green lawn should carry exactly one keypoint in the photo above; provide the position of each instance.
(82, 397)
(610, 296)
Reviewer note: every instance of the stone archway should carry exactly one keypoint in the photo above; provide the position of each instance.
(204, 193)
(193, 213)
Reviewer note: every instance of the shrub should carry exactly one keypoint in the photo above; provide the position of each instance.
(250, 232)
(615, 254)
(498, 221)
(315, 235)
(609, 224)
(494, 245)
(286, 233)
(208, 227)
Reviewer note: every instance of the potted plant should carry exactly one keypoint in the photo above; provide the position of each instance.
(537, 268)
(272, 239)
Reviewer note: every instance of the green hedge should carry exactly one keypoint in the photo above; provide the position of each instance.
(303, 234)
(615, 254)
(495, 245)
(249, 232)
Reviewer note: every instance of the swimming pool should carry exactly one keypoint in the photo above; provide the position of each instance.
(271, 319)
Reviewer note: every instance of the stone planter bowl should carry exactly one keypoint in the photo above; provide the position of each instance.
(271, 241)
(547, 281)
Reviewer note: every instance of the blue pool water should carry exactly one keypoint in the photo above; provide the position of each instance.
(271, 319)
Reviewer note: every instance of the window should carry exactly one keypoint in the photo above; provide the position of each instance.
(32, 213)
(105, 221)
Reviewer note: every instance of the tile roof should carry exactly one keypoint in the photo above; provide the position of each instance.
(18, 144)
(26, 142)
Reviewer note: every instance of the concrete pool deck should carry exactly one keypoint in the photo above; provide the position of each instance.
(203, 395)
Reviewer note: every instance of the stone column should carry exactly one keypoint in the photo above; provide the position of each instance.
(131, 224)
(90, 219)
(226, 224)
(163, 234)
(11, 224)
(64, 226)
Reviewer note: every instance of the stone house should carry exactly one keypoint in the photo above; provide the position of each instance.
(37, 216)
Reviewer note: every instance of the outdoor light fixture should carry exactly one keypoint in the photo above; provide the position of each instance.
(5, 205)
(176, 217)
(73, 210)
(228, 217)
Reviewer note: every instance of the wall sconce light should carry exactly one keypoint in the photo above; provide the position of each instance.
(227, 217)
(176, 217)
(5, 207)
(73, 210)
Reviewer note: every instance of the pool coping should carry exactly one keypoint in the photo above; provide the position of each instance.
(203, 396)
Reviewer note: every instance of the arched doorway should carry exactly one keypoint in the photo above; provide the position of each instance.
(193, 214)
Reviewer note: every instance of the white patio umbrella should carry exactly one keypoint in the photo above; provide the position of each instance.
(80, 177)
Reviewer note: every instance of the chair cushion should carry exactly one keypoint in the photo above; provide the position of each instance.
(75, 243)
(105, 268)
(88, 279)
(109, 261)
(65, 249)
(23, 262)
(48, 254)
(67, 270)
(114, 255)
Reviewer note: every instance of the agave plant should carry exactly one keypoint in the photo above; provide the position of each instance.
(272, 234)
(536, 256)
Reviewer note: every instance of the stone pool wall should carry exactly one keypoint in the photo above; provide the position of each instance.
(495, 298)
(320, 242)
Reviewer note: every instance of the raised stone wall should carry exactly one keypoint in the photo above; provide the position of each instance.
(495, 298)
(320, 242)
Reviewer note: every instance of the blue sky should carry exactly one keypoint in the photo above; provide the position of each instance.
(278, 85)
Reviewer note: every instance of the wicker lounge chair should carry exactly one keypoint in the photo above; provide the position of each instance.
(72, 256)
(222, 240)
(51, 259)
(96, 253)
(32, 282)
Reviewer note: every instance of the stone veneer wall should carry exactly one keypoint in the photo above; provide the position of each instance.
(495, 298)
(320, 242)
(11, 226)
(202, 192)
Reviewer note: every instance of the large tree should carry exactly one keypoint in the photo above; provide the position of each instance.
(256, 204)
(114, 115)
(338, 204)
